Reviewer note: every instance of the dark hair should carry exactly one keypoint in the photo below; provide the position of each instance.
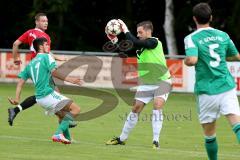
(38, 42)
(202, 12)
(37, 16)
(147, 25)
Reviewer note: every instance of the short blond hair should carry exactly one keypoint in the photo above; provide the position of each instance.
(37, 16)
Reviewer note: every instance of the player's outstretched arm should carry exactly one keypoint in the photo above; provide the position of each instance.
(58, 58)
(73, 80)
(19, 87)
(149, 43)
(15, 49)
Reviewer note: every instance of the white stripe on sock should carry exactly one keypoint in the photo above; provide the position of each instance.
(20, 107)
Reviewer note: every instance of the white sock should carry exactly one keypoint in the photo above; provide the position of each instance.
(157, 121)
(20, 107)
(129, 125)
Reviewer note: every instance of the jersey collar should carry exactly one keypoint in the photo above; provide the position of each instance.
(38, 29)
(205, 28)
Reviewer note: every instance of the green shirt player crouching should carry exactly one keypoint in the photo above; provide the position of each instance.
(208, 49)
(40, 70)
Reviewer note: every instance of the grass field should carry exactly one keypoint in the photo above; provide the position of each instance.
(181, 136)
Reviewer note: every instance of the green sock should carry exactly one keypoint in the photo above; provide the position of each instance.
(236, 130)
(64, 125)
(211, 147)
(66, 134)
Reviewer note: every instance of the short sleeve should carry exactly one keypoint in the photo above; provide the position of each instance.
(190, 47)
(24, 37)
(231, 48)
(24, 74)
(51, 63)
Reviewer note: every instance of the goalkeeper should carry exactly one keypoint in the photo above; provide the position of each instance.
(154, 78)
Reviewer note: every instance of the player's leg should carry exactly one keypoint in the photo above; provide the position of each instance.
(209, 112)
(143, 96)
(157, 118)
(60, 116)
(27, 103)
(234, 120)
(53, 84)
(210, 140)
(56, 103)
(132, 120)
(129, 124)
(230, 108)
(160, 97)
(62, 134)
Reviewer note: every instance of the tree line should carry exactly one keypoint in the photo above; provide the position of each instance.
(78, 25)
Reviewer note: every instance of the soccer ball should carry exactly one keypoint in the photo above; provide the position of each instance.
(113, 27)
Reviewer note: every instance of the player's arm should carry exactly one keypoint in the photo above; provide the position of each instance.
(58, 58)
(149, 43)
(233, 58)
(20, 85)
(52, 66)
(232, 52)
(191, 52)
(24, 76)
(15, 49)
(57, 74)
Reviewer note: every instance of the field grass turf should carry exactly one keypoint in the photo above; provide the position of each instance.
(181, 136)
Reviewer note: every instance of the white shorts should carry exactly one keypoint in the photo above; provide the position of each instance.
(211, 106)
(53, 102)
(145, 93)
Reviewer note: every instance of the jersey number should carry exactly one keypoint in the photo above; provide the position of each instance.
(214, 55)
(35, 77)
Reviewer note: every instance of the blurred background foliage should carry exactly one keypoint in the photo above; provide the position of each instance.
(78, 25)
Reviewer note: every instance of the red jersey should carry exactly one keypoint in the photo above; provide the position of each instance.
(30, 35)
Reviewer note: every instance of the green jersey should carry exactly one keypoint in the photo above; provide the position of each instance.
(211, 46)
(152, 67)
(39, 70)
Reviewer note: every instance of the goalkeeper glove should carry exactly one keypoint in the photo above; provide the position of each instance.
(123, 26)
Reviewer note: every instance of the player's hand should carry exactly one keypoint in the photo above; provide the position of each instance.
(13, 101)
(123, 26)
(59, 58)
(112, 38)
(74, 80)
(17, 62)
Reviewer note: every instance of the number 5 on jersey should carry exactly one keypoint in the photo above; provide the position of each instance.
(214, 55)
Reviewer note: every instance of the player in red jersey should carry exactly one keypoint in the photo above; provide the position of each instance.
(41, 22)
(28, 37)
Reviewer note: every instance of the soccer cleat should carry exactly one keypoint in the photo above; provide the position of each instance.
(11, 116)
(60, 138)
(115, 141)
(156, 145)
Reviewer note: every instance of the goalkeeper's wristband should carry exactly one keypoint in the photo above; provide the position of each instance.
(125, 30)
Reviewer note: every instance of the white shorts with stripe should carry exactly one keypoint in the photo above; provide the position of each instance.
(145, 93)
(210, 107)
(53, 102)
